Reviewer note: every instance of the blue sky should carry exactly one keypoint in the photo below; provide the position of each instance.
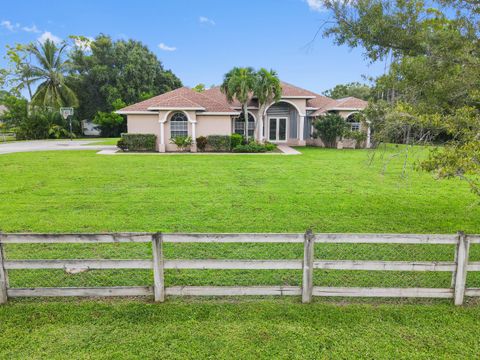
(200, 39)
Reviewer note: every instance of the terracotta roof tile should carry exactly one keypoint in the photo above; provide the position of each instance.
(292, 90)
(213, 100)
(351, 103)
(178, 98)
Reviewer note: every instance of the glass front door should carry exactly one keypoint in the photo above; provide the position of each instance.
(277, 129)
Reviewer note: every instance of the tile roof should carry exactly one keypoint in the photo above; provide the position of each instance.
(181, 98)
(351, 103)
(213, 100)
(217, 94)
(292, 90)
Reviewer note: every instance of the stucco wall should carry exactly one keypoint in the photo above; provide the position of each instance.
(213, 125)
(144, 124)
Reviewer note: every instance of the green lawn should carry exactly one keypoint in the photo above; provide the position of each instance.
(327, 190)
(219, 329)
(102, 141)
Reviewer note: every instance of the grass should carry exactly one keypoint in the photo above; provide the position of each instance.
(102, 141)
(327, 190)
(255, 329)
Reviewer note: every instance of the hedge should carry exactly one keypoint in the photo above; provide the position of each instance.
(219, 142)
(140, 142)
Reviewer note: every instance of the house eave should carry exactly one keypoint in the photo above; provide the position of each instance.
(175, 108)
(346, 109)
(299, 97)
(218, 113)
(248, 108)
(133, 112)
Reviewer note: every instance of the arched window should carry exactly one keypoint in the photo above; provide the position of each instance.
(353, 121)
(239, 125)
(178, 125)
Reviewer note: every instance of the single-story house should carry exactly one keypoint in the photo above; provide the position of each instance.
(185, 112)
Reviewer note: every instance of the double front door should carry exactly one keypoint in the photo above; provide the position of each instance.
(277, 129)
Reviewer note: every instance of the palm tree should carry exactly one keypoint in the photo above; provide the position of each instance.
(239, 83)
(267, 90)
(21, 77)
(53, 91)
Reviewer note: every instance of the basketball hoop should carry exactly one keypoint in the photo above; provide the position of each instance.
(66, 112)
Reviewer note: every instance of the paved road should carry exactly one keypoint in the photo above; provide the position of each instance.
(47, 145)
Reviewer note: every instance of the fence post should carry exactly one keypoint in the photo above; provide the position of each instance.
(3, 275)
(308, 254)
(158, 278)
(463, 246)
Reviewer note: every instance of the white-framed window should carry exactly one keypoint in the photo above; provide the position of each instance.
(352, 120)
(239, 125)
(178, 125)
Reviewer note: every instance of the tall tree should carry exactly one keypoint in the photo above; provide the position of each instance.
(267, 89)
(239, 84)
(19, 76)
(355, 89)
(104, 71)
(50, 69)
(434, 78)
(199, 88)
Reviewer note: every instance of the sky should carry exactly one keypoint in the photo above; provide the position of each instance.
(200, 40)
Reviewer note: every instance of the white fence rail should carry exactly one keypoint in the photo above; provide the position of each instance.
(459, 266)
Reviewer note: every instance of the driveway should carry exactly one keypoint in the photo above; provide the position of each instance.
(47, 145)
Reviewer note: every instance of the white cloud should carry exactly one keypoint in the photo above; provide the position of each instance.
(164, 47)
(7, 24)
(205, 20)
(315, 5)
(47, 35)
(32, 29)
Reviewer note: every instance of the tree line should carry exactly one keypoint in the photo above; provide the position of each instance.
(430, 93)
(95, 77)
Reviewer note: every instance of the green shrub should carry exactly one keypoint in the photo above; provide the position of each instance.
(330, 127)
(270, 146)
(252, 147)
(34, 122)
(358, 136)
(219, 142)
(122, 145)
(235, 140)
(182, 142)
(140, 142)
(201, 143)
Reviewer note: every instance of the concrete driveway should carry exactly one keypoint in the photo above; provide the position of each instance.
(47, 145)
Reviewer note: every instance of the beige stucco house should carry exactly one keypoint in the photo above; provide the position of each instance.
(185, 112)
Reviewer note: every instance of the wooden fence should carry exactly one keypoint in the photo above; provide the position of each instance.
(459, 266)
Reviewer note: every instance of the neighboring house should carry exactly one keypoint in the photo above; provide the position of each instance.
(89, 128)
(185, 112)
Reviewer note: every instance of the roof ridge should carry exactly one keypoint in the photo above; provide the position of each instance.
(190, 101)
(212, 99)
